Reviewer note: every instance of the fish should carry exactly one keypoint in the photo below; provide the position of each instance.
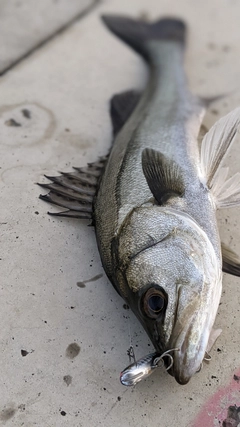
(153, 198)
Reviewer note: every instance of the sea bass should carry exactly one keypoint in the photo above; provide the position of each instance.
(155, 206)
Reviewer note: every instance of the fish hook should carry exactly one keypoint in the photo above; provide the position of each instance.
(166, 353)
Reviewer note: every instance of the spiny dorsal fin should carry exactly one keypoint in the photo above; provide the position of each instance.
(75, 191)
(121, 107)
(230, 261)
(163, 175)
(215, 145)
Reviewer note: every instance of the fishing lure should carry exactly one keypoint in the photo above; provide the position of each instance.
(142, 368)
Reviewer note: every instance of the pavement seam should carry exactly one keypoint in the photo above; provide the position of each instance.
(52, 36)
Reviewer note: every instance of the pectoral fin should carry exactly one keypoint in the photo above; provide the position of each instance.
(230, 261)
(163, 175)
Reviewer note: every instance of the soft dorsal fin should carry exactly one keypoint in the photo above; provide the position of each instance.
(121, 107)
(215, 145)
(230, 261)
(163, 175)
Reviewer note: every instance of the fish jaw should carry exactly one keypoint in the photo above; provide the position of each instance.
(192, 330)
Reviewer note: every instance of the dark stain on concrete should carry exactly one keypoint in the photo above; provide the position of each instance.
(214, 111)
(26, 113)
(233, 417)
(12, 122)
(81, 285)
(93, 279)
(24, 353)
(236, 378)
(7, 413)
(67, 379)
(73, 350)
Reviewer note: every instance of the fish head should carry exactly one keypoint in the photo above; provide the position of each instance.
(172, 282)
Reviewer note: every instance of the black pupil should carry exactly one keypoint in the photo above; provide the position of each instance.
(156, 303)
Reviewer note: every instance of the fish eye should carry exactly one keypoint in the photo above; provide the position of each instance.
(153, 302)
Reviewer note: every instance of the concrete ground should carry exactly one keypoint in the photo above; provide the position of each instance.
(64, 331)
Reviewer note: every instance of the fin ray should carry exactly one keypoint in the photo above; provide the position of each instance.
(230, 261)
(68, 192)
(71, 214)
(215, 146)
(58, 200)
(75, 191)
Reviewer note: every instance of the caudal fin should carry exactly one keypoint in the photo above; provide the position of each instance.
(137, 33)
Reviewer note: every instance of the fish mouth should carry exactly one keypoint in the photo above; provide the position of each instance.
(187, 355)
(187, 361)
(187, 344)
(191, 344)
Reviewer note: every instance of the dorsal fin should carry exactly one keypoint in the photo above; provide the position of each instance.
(121, 107)
(163, 175)
(75, 191)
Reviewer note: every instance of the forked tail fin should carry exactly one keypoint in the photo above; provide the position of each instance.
(137, 33)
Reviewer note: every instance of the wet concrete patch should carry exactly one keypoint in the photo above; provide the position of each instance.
(73, 350)
(27, 124)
